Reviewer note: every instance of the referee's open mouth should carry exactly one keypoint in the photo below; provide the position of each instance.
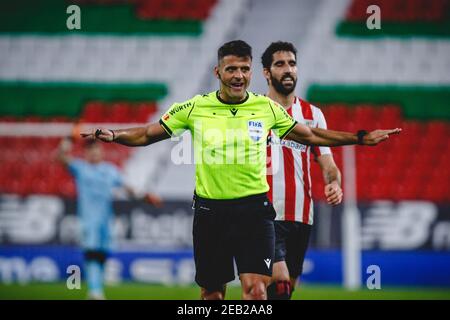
(237, 86)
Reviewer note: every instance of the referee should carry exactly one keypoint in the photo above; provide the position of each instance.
(233, 217)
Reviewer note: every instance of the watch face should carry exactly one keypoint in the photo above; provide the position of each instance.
(361, 134)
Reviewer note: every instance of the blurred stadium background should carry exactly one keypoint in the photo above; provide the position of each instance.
(133, 58)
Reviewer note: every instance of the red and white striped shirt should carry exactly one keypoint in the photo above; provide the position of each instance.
(288, 167)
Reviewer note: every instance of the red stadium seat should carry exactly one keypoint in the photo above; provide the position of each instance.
(29, 165)
(93, 112)
(8, 119)
(400, 10)
(365, 116)
(144, 111)
(391, 116)
(399, 169)
(118, 112)
(174, 9)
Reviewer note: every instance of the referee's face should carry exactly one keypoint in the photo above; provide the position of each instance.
(234, 74)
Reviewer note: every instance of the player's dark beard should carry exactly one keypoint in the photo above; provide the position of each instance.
(279, 87)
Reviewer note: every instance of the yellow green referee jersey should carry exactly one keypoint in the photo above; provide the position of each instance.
(229, 141)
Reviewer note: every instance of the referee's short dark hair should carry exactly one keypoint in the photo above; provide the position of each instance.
(236, 48)
(267, 56)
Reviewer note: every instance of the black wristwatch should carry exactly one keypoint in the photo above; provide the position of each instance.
(114, 135)
(361, 134)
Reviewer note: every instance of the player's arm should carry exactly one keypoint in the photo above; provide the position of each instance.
(64, 150)
(332, 178)
(138, 136)
(149, 197)
(323, 137)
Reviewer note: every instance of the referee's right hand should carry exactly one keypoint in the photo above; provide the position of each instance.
(105, 135)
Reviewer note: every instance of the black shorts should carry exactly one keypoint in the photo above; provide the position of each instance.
(227, 230)
(292, 239)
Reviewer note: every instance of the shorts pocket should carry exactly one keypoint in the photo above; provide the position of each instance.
(269, 209)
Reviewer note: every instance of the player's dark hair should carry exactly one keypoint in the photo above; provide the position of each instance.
(267, 56)
(89, 143)
(236, 48)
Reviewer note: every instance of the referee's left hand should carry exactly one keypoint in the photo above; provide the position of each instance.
(102, 134)
(333, 193)
(375, 137)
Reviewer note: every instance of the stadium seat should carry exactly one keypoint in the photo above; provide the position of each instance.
(399, 10)
(29, 165)
(175, 9)
(397, 170)
(117, 112)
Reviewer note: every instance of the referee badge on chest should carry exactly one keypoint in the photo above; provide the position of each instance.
(255, 130)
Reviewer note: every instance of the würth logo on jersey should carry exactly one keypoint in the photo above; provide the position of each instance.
(267, 262)
(179, 108)
(255, 130)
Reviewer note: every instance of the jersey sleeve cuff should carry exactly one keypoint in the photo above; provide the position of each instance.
(165, 127)
(288, 131)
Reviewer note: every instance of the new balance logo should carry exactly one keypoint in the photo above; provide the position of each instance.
(267, 261)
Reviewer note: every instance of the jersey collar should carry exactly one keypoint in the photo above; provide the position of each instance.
(227, 102)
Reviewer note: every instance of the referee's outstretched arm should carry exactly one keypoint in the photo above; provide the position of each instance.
(323, 137)
(133, 137)
(143, 136)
